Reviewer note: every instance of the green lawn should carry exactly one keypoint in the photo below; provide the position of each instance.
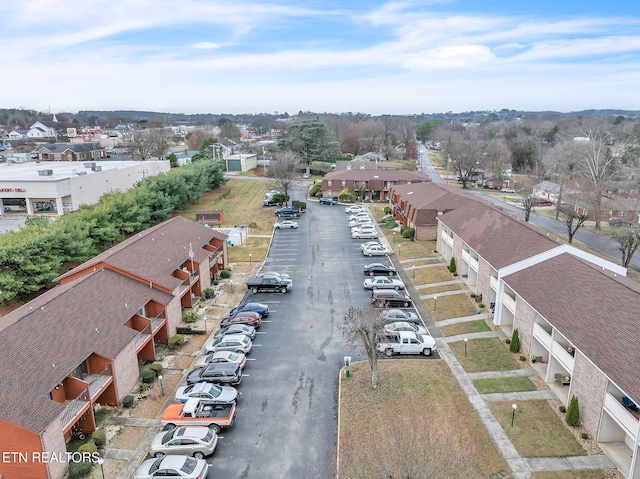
(503, 385)
(536, 431)
(432, 274)
(466, 327)
(484, 354)
(452, 306)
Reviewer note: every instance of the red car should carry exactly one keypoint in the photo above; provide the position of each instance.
(245, 317)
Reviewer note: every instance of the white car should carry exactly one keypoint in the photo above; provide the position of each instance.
(172, 466)
(286, 224)
(383, 282)
(363, 246)
(378, 250)
(238, 343)
(395, 315)
(508, 190)
(354, 209)
(392, 328)
(213, 393)
(196, 441)
(362, 214)
(364, 233)
(221, 357)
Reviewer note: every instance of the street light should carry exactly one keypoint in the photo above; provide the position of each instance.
(465, 346)
(101, 462)
(249, 259)
(394, 236)
(435, 303)
(161, 384)
(414, 270)
(513, 413)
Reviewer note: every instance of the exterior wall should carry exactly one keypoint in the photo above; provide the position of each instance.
(15, 439)
(484, 280)
(426, 233)
(589, 385)
(523, 320)
(457, 249)
(174, 314)
(53, 441)
(125, 370)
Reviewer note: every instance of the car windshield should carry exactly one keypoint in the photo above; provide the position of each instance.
(209, 435)
(189, 465)
(233, 356)
(214, 391)
(155, 466)
(168, 436)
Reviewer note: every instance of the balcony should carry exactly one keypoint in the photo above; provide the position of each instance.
(564, 358)
(74, 409)
(157, 322)
(627, 421)
(509, 303)
(142, 337)
(99, 382)
(542, 336)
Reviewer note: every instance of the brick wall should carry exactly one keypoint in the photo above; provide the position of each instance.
(125, 370)
(589, 385)
(174, 314)
(483, 282)
(53, 441)
(426, 233)
(523, 320)
(17, 446)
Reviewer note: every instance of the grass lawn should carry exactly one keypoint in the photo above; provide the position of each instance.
(452, 306)
(537, 431)
(419, 262)
(432, 274)
(411, 249)
(436, 411)
(581, 474)
(439, 289)
(256, 246)
(484, 354)
(466, 327)
(503, 385)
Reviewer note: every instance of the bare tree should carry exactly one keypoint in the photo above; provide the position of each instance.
(570, 215)
(159, 139)
(361, 327)
(464, 148)
(141, 147)
(285, 170)
(526, 193)
(628, 238)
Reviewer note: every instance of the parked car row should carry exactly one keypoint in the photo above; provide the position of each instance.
(207, 403)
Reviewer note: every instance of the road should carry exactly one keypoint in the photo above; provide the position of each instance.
(585, 237)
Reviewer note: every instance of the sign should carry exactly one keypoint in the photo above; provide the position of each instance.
(10, 190)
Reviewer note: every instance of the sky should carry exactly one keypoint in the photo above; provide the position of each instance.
(377, 57)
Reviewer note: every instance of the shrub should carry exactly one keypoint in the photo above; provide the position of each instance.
(89, 447)
(562, 409)
(573, 412)
(208, 293)
(508, 340)
(127, 401)
(280, 198)
(481, 305)
(452, 265)
(301, 205)
(315, 190)
(387, 210)
(99, 437)
(514, 347)
(148, 376)
(473, 295)
(523, 358)
(584, 435)
(224, 274)
(216, 282)
(156, 368)
(79, 469)
(175, 341)
(408, 233)
(143, 387)
(347, 195)
(190, 316)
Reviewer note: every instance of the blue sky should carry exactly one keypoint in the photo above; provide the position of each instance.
(396, 57)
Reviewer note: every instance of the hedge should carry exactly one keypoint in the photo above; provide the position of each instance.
(175, 341)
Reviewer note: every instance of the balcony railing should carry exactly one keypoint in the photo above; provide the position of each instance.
(157, 321)
(619, 413)
(542, 336)
(74, 409)
(98, 381)
(142, 336)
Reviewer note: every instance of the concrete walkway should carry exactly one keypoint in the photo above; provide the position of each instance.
(483, 334)
(427, 258)
(513, 373)
(463, 319)
(442, 283)
(444, 293)
(519, 396)
(568, 463)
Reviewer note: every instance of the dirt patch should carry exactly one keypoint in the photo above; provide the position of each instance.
(128, 438)
(112, 468)
(193, 343)
(150, 406)
(181, 362)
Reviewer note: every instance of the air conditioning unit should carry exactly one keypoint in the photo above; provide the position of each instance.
(81, 173)
(96, 168)
(90, 165)
(45, 172)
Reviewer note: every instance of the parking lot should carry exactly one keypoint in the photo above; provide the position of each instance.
(287, 413)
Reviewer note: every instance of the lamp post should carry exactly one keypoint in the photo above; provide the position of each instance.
(399, 249)
(513, 413)
(414, 270)
(465, 346)
(249, 259)
(435, 303)
(394, 237)
(161, 384)
(101, 462)
(231, 283)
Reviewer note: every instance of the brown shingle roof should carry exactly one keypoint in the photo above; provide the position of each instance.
(155, 253)
(499, 238)
(594, 310)
(383, 175)
(428, 199)
(59, 327)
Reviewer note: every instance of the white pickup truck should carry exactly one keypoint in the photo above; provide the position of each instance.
(406, 342)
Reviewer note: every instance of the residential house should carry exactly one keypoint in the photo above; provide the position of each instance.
(576, 315)
(80, 343)
(17, 135)
(419, 205)
(42, 129)
(369, 184)
(70, 152)
(547, 190)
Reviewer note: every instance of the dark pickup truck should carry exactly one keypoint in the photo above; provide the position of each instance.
(267, 284)
(288, 212)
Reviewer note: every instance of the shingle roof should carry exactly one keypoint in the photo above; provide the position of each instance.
(594, 310)
(59, 328)
(384, 175)
(499, 238)
(430, 196)
(76, 147)
(155, 253)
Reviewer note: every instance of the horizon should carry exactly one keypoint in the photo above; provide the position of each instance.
(376, 57)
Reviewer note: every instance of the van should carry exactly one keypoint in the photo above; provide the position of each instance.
(390, 299)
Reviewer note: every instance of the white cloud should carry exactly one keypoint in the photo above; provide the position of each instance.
(452, 56)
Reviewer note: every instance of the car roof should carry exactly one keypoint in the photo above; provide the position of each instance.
(222, 367)
(236, 337)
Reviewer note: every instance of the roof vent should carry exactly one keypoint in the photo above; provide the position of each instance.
(45, 172)
(91, 165)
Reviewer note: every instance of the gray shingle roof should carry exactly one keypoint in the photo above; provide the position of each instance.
(384, 175)
(594, 310)
(430, 198)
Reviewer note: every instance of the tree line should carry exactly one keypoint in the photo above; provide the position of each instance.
(31, 258)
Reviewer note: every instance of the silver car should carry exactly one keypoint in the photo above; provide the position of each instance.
(196, 441)
(383, 282)
(238, 343)
(398, 326)
(184, 467)
(392, 315)
(376, 251)
(221, 357)
(213, 393)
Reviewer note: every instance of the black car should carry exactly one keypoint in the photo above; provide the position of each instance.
(227, 374)
(618, 222)
(328, 201)
(378, 269)
(389, 298)
(288, 212)
(261, 309)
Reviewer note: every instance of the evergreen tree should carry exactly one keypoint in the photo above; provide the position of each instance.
(452, 265)
(514, 346)
(573, 412)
